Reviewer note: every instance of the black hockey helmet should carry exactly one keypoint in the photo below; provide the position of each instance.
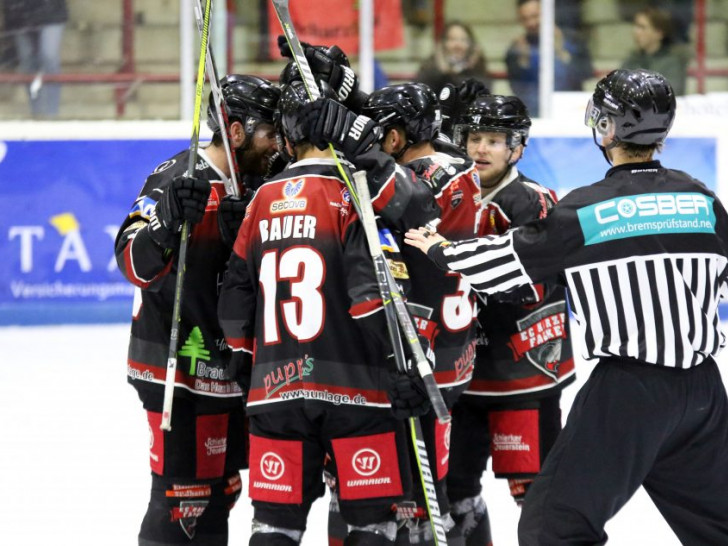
(494, 114)
(640, 103)
(412, 106)
(249, 99)
(288, 118)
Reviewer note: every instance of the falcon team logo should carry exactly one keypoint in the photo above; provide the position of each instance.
(539, 338)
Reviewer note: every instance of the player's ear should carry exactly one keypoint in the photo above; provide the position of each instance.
(237, 134)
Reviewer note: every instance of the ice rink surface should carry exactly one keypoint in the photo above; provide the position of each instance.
(74, 459)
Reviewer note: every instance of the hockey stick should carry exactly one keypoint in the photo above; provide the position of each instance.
(221, 110)
(423, 463)
(194, 142)
(402, 313)
(383, 276)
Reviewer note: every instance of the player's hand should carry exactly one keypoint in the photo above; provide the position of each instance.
(328, 64)
(423, 239)
(230, 214)
(454, 100)
(331, 122)
(408, 395)
(184, 200)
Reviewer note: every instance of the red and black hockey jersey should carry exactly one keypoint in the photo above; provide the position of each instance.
(202, 353)
(442, 302)
(524, 350)
(301, 296)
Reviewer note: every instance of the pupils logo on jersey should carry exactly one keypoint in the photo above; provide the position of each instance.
(290, 190)
(646, 214)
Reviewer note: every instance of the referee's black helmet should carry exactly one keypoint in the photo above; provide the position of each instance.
(640, 103)
(495, 114)
(412, 106)
(248, 99)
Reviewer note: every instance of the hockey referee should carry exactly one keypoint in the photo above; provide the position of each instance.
(644, 255)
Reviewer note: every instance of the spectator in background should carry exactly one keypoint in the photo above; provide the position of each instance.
(38, 29)
(457, 57)
(571, 58)
(656, 49)
(681, 14)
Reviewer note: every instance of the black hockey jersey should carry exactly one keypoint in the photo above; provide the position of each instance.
(645, 258)
(523, 349)
(301, 296)
(202, 353)
(441, 302)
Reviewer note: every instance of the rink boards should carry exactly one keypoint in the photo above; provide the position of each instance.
(67, 187)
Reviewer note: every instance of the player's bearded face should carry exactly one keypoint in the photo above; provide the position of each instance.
(491, 154)
(253, 157)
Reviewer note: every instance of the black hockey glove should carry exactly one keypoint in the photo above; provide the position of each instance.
(408, 395)
(331, 65)
(183, 200)
(455, 99)
(332, 122)
(230, 214)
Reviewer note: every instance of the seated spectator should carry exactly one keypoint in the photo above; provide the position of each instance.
(656, 51)
(681, 14)
(571, 57)
(457, 57)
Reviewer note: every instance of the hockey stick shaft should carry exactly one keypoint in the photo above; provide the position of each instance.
(221, 108)
(402, 313)
(182, 257)
(423, 463)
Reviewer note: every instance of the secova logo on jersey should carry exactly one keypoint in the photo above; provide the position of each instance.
(646, 214)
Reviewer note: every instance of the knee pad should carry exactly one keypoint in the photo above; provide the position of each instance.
(270, 535)
(176, 509)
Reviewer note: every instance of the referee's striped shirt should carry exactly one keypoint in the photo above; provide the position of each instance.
(643, 253)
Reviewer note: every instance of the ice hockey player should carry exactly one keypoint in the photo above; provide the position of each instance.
(511, 409)
(442, 305)
(195, 467)
(301, 308)
(644, 255)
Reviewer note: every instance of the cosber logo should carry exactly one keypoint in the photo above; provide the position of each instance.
(366, 462)
(272, 466)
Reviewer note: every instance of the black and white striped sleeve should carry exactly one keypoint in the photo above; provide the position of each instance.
(499, 263)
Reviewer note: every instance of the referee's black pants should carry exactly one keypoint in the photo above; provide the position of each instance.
(636, 424)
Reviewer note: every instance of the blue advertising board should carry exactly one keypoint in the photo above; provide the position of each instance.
(63, 201)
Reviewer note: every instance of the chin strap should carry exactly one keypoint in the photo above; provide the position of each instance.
(604, 149)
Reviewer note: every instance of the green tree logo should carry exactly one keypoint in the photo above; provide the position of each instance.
(194, 347)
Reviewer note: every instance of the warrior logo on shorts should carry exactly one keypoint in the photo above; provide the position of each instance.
(272, 466)
(539, 338)
(366, 462)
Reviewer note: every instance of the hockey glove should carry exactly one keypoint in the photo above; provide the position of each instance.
(408, 395)
(331, 65)
(230, 215)
(455, 99)
(183, 200)
(332, 122)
